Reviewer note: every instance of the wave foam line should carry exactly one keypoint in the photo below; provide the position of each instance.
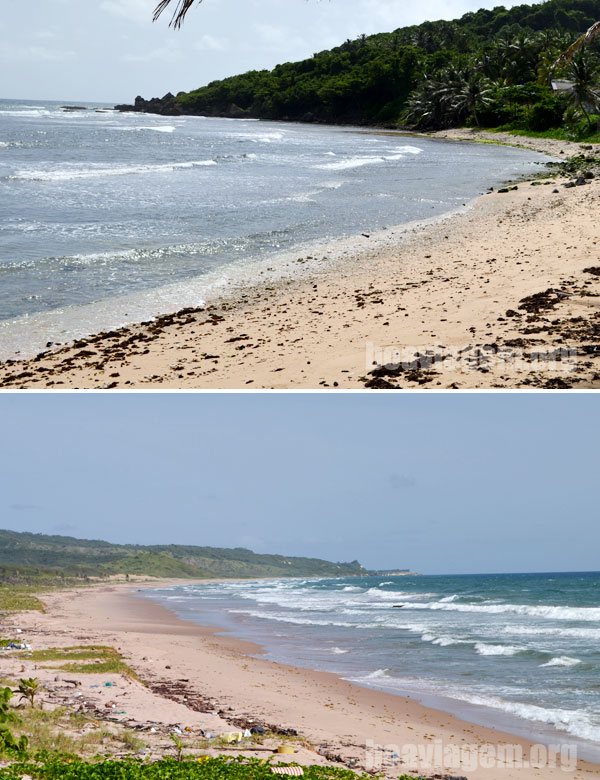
(585, 614)
(68, 174)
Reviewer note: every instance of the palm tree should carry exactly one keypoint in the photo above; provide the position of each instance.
(590, 35)
(454, 96)
(179, 14)
(586, 96)
(29, 689)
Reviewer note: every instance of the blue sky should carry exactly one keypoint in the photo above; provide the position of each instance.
(109, 50)
(439, 483)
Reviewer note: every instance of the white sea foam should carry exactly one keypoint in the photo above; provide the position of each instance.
(444, 641)
(570, 633)
(353, 162)
(562, 660)
(72, 172)
(407, 150)
(264, 137)
(339, 651)
(294, 620)
(154, 128)
(398, 597)
(34, 112)
(377, 674)
(575, 722)
(484, 649)
(586, 614)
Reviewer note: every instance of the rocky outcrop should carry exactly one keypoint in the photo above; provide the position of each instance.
(167, 106)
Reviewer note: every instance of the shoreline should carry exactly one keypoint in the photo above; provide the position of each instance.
(335, 717)
(414, 296)
(484, 716)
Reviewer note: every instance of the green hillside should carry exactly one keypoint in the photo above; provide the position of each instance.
(491, 68)
(38, 558)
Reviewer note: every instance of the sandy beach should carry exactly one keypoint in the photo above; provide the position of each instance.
(503, 294)
(201, 682)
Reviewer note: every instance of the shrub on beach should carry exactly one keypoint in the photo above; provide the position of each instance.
(221, 768)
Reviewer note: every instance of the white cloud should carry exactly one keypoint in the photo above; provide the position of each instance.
(210, 43)
(44, 35)
(139, 11)
(277, 39)
(34, 54)
(170, 52)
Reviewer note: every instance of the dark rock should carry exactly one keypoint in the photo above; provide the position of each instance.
(235, 112)
(166, 106)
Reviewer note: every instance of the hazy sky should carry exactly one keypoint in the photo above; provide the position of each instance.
(440, 483)
(109, 50)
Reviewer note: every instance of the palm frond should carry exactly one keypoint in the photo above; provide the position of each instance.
(583, 40)
(181, 9)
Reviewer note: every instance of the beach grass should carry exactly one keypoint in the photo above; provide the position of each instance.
(68, 735)
(19, 599)
(83, 659)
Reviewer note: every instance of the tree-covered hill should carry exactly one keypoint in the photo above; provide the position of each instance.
(27, 557)
(491, 67)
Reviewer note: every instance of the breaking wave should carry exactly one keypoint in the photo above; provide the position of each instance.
(562, 660)
(70, 173)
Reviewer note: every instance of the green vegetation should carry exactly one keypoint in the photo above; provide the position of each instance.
(167, 769)
(492, 68)
(19, 599)
(29, 688)
(10, 744)
(56, 560)
(65, 735)
(82, 659)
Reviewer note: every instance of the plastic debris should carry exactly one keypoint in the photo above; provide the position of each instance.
(234, 736)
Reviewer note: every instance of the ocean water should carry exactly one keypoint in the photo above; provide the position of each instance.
(520, 652)
(107, 218)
